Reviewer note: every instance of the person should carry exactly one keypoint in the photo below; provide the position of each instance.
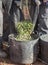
(16, 15)
(1, 23)
(2, 53)
(42, 23)
(13, 15)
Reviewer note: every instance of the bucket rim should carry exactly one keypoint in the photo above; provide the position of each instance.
(11, 36)
(42, 39)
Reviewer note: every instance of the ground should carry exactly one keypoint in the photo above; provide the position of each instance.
(8, 62)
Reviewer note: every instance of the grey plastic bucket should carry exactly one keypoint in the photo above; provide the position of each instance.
(24, 52)
(44, 48)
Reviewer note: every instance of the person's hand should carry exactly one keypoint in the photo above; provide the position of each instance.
(45, 0)
(38, 2)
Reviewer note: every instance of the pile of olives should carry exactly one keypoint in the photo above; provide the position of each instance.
(24, 30)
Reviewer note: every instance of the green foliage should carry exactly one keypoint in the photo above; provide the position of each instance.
(24, 30)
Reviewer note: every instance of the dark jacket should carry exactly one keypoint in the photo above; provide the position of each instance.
(42, 24)
(7, 4)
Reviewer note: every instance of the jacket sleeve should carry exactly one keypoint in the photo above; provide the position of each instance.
(36, 0)
(7, 4)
